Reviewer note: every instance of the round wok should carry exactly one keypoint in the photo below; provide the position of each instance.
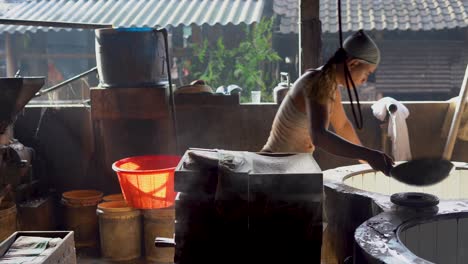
(422, 172)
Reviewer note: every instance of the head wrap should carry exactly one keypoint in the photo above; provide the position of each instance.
(361, 46)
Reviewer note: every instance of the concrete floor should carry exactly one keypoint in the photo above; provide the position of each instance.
(93, 257)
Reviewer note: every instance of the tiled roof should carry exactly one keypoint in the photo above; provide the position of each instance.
(134, 13)
(380, 14)
(421, 66)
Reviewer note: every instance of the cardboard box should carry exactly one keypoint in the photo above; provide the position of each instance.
(64, 252)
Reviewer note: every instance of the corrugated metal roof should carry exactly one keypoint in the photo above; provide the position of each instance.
(134, 13)
(6, 5)
(380, 14)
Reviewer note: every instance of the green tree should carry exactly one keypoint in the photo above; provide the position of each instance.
(247, 65)
(255, 56)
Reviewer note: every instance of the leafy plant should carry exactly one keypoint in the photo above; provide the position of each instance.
(255, 55)
(210, 63)
(247, 65)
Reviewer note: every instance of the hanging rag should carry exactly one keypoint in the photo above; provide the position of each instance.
(463, 128)
(397, 128)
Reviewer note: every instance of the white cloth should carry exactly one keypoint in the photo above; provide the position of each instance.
(397, 128)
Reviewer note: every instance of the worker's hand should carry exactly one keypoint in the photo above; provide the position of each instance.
(378, 160)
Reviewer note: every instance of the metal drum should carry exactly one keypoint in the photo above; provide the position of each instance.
(130, 57)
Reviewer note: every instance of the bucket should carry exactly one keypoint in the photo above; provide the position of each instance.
(113, 197)
(147, 182)
(120, 231)
(80, 215)
(7, 219)
(130, 57)
(158, 223)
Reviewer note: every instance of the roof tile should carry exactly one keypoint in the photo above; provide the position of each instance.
(384, 14)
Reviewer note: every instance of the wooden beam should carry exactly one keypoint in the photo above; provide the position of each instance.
(310, 30)
(453, 133)
(38, 23)
(57, 56)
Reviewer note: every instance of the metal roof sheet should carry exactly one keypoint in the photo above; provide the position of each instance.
(379, 14)
(134, 13)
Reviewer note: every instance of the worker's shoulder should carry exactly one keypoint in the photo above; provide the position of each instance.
(311, 74)
(308, 78)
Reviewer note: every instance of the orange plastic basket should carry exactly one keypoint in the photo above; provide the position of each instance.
(147, 182)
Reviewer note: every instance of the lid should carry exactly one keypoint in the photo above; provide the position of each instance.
(414, 199)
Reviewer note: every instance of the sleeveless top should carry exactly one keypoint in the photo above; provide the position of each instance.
(290, 129)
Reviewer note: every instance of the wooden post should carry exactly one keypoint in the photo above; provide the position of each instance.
(197, 35)
(11, 65)
(310, 30)
(461, 102)
(128, 122)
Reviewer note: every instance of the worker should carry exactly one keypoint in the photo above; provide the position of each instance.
(314, 102)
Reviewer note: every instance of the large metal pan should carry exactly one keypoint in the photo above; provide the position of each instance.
(422, 172)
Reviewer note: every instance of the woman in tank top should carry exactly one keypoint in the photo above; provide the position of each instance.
(314, 102)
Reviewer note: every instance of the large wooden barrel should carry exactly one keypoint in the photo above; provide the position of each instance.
(356, 193)
(404, 234)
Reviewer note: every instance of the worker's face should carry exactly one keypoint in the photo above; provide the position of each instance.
(360, 71)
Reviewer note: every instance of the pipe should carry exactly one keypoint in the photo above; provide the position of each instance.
(299, 32)
(55, 87)
(37, 23)
(171, 92)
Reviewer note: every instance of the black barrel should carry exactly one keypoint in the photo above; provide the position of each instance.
(131, 57)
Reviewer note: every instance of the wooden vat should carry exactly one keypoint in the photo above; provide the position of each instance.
(437, 234)
(356, 193)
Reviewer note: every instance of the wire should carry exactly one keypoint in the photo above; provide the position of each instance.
(349, 79)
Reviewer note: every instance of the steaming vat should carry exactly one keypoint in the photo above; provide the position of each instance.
(353, 194)
(433, 235)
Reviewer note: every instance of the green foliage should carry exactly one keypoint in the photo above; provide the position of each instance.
(209, 63)
(248, 65)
